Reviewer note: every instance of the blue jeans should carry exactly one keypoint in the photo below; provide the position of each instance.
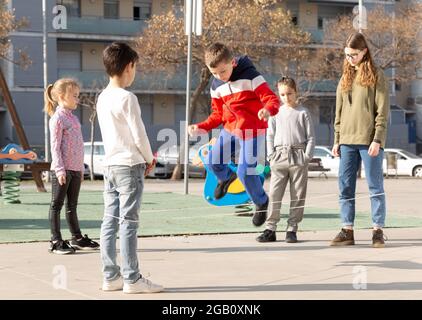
(350, 156)
(123, 186)
(250, 153)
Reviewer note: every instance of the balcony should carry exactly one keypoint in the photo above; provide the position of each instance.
(101, 26)
(158, 81)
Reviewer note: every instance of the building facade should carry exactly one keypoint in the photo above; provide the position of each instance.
(93, 24)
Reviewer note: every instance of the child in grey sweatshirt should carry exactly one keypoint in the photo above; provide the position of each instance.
(290, 147)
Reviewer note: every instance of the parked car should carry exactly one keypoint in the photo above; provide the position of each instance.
(406, 163)
(99, 154)
(40, 151)
(167, 160)
(328, 160)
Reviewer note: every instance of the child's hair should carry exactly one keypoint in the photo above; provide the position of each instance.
(217, 53)
(368, 74)
(288, 82)
(53, 91)
(117, 56)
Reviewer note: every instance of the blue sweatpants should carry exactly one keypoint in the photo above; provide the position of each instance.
(250, 152)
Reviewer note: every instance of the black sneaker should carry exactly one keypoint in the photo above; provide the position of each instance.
(60, 247)
(267, 236)
(222, 186)
(260, 214)
(291, 237)
(84, 243)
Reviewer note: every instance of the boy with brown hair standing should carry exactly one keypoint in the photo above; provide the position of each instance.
(128, 158)
(242, 102)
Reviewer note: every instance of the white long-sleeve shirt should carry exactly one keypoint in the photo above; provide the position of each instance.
(123, 131)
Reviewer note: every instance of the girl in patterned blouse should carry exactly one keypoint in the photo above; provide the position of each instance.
(67, 165)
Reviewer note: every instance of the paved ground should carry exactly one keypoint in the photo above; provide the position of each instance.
(235, 266)
(229, 267)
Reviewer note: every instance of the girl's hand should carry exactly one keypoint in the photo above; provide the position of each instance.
(62, 180)
(263, 114)
(374, 149)
(336, 150)
(82, 176)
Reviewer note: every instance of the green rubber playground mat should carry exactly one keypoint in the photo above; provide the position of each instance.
(161, 214)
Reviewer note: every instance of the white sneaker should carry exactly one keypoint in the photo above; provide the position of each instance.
(142, 286)
(113, 285)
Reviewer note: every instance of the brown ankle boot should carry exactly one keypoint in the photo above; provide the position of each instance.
(378, 238)
(344, 238)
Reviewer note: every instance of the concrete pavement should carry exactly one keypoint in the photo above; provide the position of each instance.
(232, 266)
(235, 266)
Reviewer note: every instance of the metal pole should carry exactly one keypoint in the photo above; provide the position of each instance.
(44, 46)
(188, 83)
(360, 15)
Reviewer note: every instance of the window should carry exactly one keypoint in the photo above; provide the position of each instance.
(320, 23)
(142, 11)
(69, 60)
(178, 8)
(321, 153)
(111, 9)
(326, 115)
(73, 7)
(98, 150)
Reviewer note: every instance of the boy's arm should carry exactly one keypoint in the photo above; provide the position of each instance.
(216, 116)
(56, 135)
(132, 112)
(270, 136)
(267, 97)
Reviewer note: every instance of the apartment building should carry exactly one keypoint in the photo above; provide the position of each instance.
(93, 24)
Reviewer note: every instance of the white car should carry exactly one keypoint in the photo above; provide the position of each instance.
(328, 160)
(406, 164)
(99, 154)
(402, 162)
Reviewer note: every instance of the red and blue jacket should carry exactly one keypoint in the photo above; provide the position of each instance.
(236, 103)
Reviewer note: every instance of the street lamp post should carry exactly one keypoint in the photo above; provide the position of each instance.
(193, 25)
(45, 70)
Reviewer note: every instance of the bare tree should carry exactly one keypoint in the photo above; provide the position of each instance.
(393, 37)
(259, 29)
(88, 100)
(8, 24)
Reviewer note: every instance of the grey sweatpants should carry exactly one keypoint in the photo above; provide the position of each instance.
(292, 168)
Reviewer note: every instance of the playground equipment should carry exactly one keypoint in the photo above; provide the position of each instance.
(35, 167)
(236, 194)
(12, 160)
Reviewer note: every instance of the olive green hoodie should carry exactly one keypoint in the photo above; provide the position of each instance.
(362, 114)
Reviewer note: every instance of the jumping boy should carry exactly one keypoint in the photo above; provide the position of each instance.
(242, 101)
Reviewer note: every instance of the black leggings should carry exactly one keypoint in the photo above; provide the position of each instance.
(70, 191)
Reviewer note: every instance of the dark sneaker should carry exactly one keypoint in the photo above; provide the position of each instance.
(84, 243)
(222, 187)
(60, 247)
(378, 238)
(260, 214)
(267, 236)
(291, 237)
(344, 238)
